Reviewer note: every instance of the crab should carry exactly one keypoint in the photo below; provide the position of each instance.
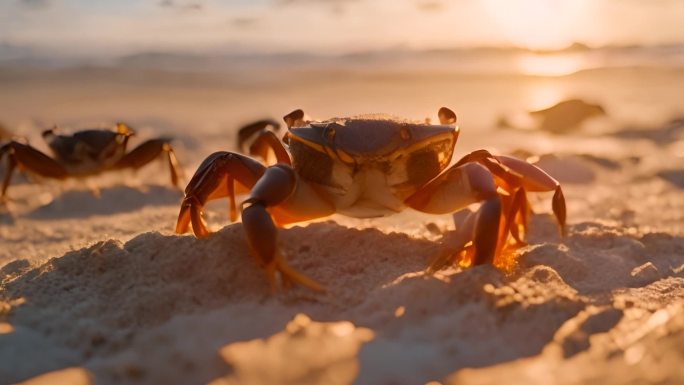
(85, 153)
(367, 166)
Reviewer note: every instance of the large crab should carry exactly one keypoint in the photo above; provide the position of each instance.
(368, 166)
(85, 153)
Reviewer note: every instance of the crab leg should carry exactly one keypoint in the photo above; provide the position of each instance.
(11, 165)
(535, 179)
(149, 151)
(216, 178)
(485, 158)
(266, 141)
(517, 176)
(28, 158)
(455, 189)
(249, 130)
(275, 186)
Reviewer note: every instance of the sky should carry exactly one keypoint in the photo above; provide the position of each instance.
(114, 27)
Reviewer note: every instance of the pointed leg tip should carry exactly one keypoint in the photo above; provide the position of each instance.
(202, 234)
(290, 274)
(315, 286)
(440, 261)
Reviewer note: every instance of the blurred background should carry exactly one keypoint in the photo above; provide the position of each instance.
(197, 70)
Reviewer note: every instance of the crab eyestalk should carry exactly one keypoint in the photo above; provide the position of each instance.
(295, 118)
(124, 129)
(50, 132)
(446, 116)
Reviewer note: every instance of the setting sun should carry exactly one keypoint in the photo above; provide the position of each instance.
(538, 24)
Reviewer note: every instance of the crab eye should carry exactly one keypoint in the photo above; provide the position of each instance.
(330, 133)
(405, 133)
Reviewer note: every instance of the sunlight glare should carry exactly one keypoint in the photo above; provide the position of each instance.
(550, 65)
(543, 95)
(538, 24)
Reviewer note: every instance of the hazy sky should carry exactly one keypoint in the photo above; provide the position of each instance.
(122, 26)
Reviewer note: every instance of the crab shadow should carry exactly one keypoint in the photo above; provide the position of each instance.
(675, 177)
(112, 200)
(663, 134)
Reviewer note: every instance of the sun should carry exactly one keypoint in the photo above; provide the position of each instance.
(538, 24)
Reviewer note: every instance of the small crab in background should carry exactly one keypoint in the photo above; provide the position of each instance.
(368, 166)
(85, 153)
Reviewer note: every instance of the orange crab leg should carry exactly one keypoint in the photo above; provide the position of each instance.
(268, 141)
(462, 184)
(147, 152)
(514, 174)
(512, 194)
(455, 189)
(28, 158)
(518, 216)
(535, 179)
(249, 130)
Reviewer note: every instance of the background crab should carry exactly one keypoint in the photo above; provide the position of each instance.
(362, 167)
(85, 153)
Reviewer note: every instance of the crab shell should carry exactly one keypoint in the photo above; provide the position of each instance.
(369, 165)
(85, 151)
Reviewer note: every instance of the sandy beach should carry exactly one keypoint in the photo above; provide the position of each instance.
(99, 290)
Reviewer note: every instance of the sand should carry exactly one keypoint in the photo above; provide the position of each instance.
(100, 290)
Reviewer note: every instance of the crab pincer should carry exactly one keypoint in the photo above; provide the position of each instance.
(223, 174)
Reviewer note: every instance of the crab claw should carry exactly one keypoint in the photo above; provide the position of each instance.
(217, 177)
(221, 175)
(535, 179)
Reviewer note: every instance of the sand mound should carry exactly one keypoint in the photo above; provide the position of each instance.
(158, 308)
